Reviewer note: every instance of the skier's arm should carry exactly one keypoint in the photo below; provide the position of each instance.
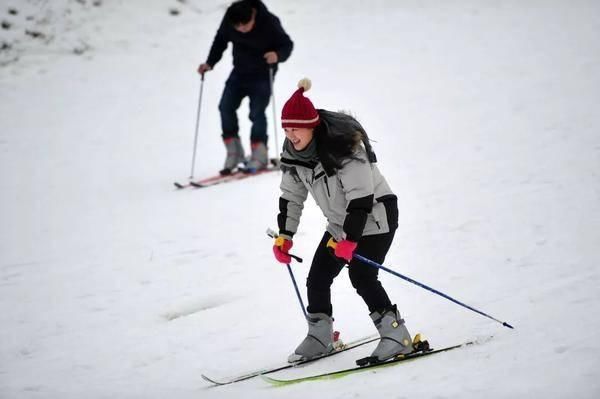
(357, 179)
(219, 45)
(291, 204)
(283, 43)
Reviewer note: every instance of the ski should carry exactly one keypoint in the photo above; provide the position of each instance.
(220, 179)
(206, 181)
(260, 372)
(371, 366)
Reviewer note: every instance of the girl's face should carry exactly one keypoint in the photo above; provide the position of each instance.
(300, 137)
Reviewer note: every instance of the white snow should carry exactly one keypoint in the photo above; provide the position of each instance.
(486, 122)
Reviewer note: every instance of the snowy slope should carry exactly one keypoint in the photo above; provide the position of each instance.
(486, 125)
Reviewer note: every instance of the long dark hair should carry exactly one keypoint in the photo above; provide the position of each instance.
(338, 136)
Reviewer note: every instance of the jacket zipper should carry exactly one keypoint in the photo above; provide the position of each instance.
(327, 186)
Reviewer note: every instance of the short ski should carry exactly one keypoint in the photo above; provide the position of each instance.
(220, 179)
(212, 180)
(247, 376)
(345, 372)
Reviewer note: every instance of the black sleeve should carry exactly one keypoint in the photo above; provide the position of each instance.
(358, 210)
(282, 217)
(283, 43)
(219, 45)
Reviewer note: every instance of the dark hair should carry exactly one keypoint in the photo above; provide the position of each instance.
(337, 136)
(240, 12)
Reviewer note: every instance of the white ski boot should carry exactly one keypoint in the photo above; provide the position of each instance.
(319, 340)
(395, 338)
(235, 155)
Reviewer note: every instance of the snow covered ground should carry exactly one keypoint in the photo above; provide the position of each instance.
(113, 285)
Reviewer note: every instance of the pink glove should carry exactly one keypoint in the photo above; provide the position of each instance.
(345, 249)
(281, 250)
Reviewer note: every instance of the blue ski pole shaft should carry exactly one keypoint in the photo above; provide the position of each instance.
(271, 233)
(296, 288)
(375, 264)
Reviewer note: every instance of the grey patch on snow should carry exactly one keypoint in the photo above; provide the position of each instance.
(35, 34)
(11, 276)
(20, 265)
(465, 226)
(96, 3)
(190, 252)
(196, 308)
(33, 388)
(25, 352)
(4, 285)
(8, 60)
(561, 349)
(82, 48)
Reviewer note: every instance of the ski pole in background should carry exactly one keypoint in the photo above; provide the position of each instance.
(277, 149)
(197, 124)
(332, 244)
(272, 234)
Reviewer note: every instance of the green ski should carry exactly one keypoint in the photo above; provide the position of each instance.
(343, 373)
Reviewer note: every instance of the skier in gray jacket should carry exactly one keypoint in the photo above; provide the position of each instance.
(328, 155)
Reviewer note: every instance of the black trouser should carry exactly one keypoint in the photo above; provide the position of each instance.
(258, 89)
(326, 266)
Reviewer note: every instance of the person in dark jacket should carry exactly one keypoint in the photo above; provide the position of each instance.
(259, 43)
(328, 154)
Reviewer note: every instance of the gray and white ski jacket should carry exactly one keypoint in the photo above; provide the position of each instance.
(351, 200)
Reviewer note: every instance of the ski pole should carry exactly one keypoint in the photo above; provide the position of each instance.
(272, 234)
(297, 290)
(331, 243)
(274, 113)
(197, 124)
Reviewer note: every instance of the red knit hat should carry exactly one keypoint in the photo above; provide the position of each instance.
(298, 111)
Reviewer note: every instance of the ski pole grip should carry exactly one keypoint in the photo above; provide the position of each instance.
(274, 235)
(298, 259)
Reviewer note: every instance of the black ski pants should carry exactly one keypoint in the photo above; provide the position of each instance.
(326, 266)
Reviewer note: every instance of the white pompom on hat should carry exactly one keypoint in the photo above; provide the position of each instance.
(305, 84)
(299, 111)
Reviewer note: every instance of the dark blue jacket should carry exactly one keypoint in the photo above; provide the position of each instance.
(249, 48)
